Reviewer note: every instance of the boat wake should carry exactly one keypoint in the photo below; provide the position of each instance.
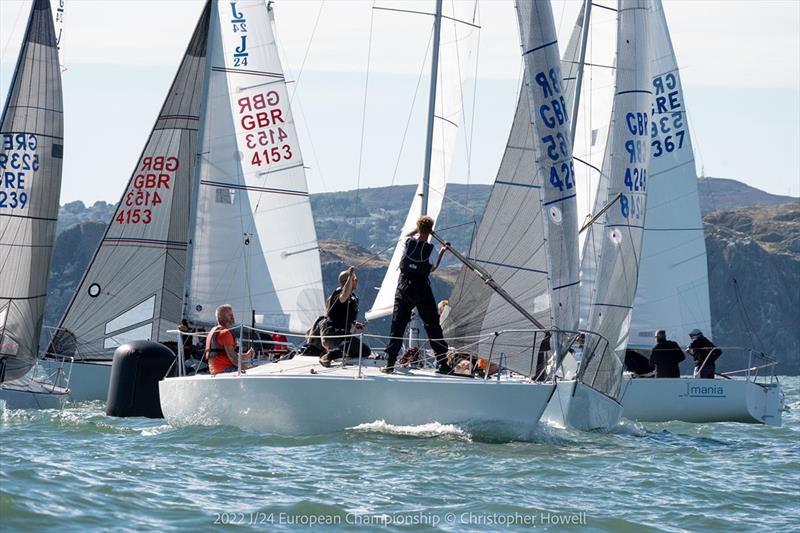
(430, 430)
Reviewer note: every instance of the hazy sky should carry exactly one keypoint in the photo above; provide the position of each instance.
(740, 66)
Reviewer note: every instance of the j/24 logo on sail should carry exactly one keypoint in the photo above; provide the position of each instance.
(239, 25)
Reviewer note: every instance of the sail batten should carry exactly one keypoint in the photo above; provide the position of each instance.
(31, 155)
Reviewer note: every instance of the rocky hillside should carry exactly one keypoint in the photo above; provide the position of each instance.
(754, 277)
(756, 243)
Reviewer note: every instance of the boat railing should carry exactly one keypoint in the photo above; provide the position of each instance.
(522, 352)
(760, 366)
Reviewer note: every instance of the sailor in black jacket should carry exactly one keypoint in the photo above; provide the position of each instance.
(414, 290)
(705, 354)
(666, 356)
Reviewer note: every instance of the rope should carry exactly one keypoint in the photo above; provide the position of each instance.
(363, 120)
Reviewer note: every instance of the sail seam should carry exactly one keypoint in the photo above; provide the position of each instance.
(252, 188)
(506, 265)
(540, 47)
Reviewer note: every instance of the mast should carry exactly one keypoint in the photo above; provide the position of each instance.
(437, 30)
(587, 9)
(187, 273)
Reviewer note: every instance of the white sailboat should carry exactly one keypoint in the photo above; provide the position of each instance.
(131, 289)
(410, 395)
(31, 155)
(611, 248)
(673, 280)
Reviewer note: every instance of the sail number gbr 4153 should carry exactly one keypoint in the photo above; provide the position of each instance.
(262, 120)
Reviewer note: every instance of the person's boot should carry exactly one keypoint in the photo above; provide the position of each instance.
(442, 366)
(325, 360)
(390, 362)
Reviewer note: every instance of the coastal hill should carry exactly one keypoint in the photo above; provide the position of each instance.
(752, 238)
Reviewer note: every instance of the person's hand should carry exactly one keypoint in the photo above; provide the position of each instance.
(359, 325)
(351, 270)
(249, 354)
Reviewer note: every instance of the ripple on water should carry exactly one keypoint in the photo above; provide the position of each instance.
(79, 469)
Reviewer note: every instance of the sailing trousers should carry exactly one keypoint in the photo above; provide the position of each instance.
(411, 294)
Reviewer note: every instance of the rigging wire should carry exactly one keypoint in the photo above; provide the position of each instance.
(363, 122)
(308, 49)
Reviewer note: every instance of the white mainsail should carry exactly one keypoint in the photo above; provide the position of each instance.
(615, 239)
(527, 238)
(254, 244)
(31, 156)
(673, 277)
(453, 51)
(132, 288)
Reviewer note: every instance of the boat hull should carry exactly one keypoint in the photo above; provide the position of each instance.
(88, 379)
(307, 405)
(701, 400)
(578, 406)
(32, 395)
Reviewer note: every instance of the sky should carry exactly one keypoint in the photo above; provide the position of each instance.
(739, 60)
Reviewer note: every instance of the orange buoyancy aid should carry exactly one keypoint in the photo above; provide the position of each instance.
(215, 354)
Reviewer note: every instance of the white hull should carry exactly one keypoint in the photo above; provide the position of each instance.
(580, 407)
(701, 400)
(285, 398)
(88, 379)
(26, 393)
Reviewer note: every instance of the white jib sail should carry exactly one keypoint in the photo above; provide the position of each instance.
(132, 289)
(615, 239)
(550, 122)
(31, 154)
(254, 243)
(448, 111)
(673, 276)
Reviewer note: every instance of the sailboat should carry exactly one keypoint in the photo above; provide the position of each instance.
(673, 281)
(131, 289)
(617, 191)
(31, 155)
(216, 211)
(412, 395)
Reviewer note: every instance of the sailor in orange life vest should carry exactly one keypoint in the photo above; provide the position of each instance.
(414, 290)
(220, 344)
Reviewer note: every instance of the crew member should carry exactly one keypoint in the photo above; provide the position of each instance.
(220, 343)
(414, 290)
(705, 354)
(340, 320)
(666, 356)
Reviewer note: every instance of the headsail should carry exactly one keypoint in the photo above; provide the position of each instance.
(31, 154)
(615, 239)
(447, 117)
(673, 277)
(254, 243)
(133, 287)
(527, 238)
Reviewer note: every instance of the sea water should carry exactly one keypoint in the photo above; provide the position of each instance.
(77, 470)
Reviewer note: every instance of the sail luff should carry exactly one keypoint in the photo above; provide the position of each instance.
(31, 153)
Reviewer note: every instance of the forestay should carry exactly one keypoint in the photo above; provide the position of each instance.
(132, 289)
(454, 49)
(31, 154)
(527, 238)
(673, 277)
(615, 239)
(254, 243)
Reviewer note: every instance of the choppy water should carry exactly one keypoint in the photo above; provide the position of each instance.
(78, 469)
